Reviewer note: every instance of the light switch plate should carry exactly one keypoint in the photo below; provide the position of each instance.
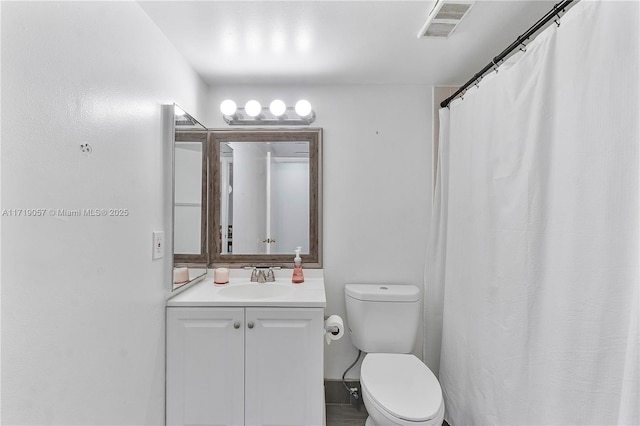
(158, 244)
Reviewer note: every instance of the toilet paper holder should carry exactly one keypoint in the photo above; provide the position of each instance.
(333, 329)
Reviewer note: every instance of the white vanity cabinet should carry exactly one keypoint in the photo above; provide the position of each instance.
(205, 366)
(245, 366)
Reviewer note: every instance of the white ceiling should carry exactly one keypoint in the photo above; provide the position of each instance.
(336, 42)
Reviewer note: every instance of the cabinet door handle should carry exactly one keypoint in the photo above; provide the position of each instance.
(236, 324)
(250, 325)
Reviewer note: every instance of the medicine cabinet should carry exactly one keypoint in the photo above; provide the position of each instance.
(190, 180)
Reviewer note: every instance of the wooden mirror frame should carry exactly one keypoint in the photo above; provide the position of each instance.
(313, 136)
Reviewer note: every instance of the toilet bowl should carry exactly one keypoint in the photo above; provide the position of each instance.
(398, 389)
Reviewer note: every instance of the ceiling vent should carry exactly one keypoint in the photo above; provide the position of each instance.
(444, 18)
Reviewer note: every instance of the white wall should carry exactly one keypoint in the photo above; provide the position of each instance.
(82, 301)
(377, 185)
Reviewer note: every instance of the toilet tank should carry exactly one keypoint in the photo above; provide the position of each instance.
(383, 318)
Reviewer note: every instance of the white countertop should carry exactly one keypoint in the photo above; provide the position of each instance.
(310, 293)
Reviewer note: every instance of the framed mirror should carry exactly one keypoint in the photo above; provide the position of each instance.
(265, 191)
(190, 195)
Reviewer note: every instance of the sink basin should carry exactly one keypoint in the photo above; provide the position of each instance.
(255, 291)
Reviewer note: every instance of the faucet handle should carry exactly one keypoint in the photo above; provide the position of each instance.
(271, 277)
(254, 274)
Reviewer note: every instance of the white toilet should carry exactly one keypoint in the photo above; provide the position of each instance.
(397, 388)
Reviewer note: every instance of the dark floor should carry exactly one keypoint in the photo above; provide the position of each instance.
(346, 415)
(349, 415)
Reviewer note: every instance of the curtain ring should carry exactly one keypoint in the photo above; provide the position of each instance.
(523, 48)
(477, 82)
(495, 67)
(556, 21)
(559, 15)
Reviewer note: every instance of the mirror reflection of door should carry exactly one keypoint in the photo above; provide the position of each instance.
(265, 197)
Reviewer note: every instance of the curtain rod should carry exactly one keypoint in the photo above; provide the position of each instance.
(560, 7)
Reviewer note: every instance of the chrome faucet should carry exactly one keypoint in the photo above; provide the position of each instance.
(270, 276)
(262, 275)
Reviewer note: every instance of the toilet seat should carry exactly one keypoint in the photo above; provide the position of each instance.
(402, 386)
(375, 411)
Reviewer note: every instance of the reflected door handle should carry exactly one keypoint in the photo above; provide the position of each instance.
(250, 325)
(236, 324)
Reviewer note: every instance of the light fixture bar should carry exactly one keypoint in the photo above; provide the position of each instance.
(287, 116)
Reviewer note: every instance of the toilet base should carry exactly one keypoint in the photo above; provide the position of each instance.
(371, 422)
(378, 416)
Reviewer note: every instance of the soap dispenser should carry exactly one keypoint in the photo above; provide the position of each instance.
(298, 276)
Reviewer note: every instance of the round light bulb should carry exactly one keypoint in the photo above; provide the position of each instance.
(228, 107)
(303, 108)
(253, 108)
(277, 107)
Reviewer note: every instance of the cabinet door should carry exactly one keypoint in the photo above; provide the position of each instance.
(284, 367)
(205, 366)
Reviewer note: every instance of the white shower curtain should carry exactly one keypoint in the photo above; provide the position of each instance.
(536, 254)
(434, 272)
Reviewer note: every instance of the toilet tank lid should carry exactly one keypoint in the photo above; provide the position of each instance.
(383, 292)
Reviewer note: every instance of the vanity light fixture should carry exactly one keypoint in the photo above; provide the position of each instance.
(254, 114)
(253, 108)
(303, 108)
(277, 108)
(228, 107)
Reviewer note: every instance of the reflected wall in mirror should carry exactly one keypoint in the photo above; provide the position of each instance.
(188, 198)
(190, 177)
(265, 196)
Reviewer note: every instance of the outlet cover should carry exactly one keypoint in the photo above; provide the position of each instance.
(158, 244)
